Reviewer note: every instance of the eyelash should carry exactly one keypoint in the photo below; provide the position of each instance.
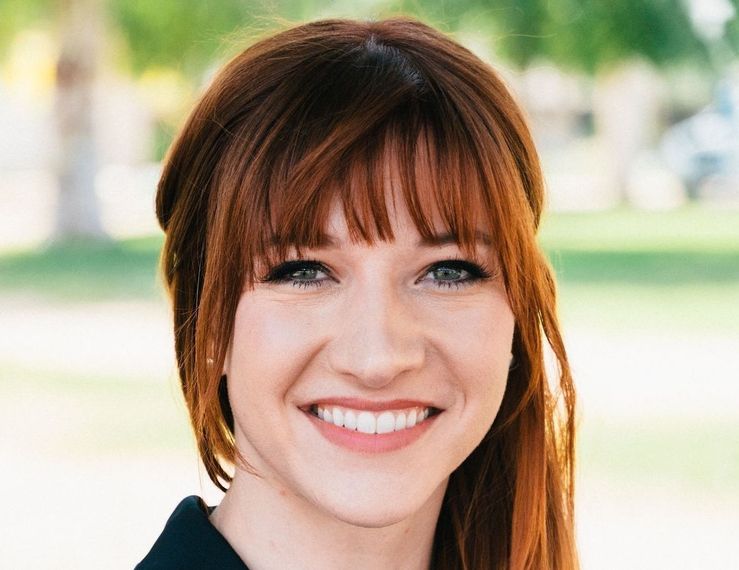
(281, 273)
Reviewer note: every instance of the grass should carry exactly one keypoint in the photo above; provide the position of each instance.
(692, 228)
(628, 269)
(692, 455)
(83, 416)
(85, 271)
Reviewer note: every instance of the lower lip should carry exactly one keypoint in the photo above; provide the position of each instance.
(370, 442)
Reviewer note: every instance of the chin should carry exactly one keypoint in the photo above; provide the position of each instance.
(371, 517)
(381, 507)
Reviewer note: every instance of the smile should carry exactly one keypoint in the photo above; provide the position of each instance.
(371, 431)
(368, 422)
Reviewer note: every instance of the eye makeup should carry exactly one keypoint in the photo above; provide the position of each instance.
(298, 272)
(448, 273)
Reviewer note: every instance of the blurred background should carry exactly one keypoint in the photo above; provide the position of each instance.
(635, 108)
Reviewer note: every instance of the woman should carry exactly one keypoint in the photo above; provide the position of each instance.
(361, 311)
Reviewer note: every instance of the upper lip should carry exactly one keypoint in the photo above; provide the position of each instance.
(370, 405)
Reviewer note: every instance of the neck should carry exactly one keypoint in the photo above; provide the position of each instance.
(270, 528)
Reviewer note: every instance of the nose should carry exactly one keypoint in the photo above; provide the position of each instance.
(379, 338)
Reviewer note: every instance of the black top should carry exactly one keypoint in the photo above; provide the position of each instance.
(189, 541)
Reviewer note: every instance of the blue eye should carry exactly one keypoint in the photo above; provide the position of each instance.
(456, 273)
(300, 272)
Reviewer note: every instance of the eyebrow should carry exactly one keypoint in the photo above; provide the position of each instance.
(326, 241)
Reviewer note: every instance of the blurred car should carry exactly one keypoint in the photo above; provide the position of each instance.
(704, 149)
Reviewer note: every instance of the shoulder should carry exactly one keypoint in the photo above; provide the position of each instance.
(189, 540)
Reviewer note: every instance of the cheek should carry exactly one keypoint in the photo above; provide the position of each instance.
(271, 344)
(478, 342)
(476, 348)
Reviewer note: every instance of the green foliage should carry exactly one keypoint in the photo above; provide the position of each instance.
(593, 34)
(586, 35)
(162, 139)
(17, 14)
(516, 26)
(522, 28)
(185, 34)
(192, 34)
(732, 30)
(179, 33)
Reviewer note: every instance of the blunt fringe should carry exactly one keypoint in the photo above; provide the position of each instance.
(318, 113)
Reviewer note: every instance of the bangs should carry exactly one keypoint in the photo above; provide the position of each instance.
(412, 156)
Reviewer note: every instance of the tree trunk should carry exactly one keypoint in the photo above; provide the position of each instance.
(77, 211)
(626, 107)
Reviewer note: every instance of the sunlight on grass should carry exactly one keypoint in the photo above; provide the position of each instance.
(634, 270)
(85, 271)
(691, 228)
(689, 455)
(95, 416)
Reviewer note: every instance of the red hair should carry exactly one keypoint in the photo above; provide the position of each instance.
(314, 114)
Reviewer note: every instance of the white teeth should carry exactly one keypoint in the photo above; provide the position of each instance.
(400, 421)
(366, 422)
(371, 422)
(411, 421)
(385, 422)
(338, 416)
(350, 420)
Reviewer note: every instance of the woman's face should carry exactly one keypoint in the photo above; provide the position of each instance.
(372, 338)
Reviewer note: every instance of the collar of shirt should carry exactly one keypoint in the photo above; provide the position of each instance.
(189, 540)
